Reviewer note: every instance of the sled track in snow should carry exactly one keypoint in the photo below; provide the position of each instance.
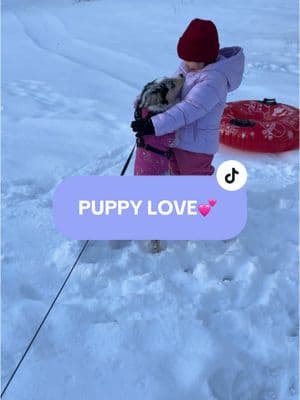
(63, 45)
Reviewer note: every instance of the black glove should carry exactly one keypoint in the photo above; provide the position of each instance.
(143, 127)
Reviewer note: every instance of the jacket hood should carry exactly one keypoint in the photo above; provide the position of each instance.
(230, 63)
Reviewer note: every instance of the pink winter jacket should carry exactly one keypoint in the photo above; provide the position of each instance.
(196, 118)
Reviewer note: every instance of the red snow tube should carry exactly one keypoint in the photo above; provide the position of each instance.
(262, 126)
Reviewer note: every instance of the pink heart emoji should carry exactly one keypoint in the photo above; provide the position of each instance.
(212, 202)
(204, 209)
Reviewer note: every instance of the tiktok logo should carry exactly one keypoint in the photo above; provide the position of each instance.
(229, 178)
(231, 175)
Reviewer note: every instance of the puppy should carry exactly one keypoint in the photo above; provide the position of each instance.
(159, 95)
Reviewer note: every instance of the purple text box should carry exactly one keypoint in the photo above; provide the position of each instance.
(148, 207)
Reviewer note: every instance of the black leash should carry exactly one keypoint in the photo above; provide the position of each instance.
(58, 293)
(127, 162)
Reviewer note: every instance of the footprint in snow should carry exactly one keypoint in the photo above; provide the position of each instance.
(30, 293)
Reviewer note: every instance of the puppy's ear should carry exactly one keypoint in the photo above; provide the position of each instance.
(148, 85)
(164, 92)
(138, 113)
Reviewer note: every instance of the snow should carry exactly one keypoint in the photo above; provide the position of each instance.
(201, 320)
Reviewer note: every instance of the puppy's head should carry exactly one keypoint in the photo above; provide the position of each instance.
(159, 95)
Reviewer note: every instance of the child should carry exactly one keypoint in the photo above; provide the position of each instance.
(210, 73)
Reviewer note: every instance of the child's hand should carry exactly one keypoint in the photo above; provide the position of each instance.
(143, 127)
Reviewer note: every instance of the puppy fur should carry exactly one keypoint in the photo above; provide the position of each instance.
(159, 95)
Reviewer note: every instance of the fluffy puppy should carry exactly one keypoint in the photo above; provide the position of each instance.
(159, 95)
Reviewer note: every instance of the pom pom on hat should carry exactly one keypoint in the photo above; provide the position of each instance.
(199, 42)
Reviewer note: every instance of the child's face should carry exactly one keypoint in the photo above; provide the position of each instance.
(193, 65)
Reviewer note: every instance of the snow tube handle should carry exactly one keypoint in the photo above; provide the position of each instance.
(269, 102)
(242, 122)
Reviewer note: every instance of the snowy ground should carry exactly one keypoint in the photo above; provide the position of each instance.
(202, 320)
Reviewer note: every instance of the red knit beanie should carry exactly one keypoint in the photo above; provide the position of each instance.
(199, 42)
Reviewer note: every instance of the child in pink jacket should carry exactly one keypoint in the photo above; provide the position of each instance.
(210, 73)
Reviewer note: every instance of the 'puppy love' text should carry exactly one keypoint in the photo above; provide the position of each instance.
(120, 207)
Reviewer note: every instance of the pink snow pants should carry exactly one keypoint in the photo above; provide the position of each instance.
(185, 162)
(149, 163)
(182, 162)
